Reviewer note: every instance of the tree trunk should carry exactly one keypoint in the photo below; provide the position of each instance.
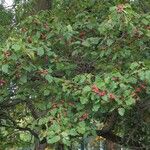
(40, 145)
(60, 147)
(110, 145)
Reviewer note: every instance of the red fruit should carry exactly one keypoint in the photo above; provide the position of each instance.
(120, 8)
(43, 72)
(71, 104)
(103, 93)
(134, 95)
(115, 79)
(84, 116)
(29, 39)
(54, 105)
(112, 96)
(95, 89)
(7, 54)
(23, 30)
(2, 82)
(143, 86)
(43, 36)
(148, 27)
(46, 26)
(82, 34)
(62, 102)
(138, 90)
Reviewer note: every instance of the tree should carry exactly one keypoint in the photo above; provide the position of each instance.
(5, 25)
(65, 77)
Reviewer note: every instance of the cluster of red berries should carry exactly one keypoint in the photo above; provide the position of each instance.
(43, 36)
(101, 93)
(7, 54)
(2, 82)
(82, 34)
(120, 8)
(43, 72)
(138, 90)
(84, 116)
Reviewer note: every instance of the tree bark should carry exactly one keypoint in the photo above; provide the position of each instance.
(39, 146)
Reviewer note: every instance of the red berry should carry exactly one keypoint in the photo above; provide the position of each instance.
(138, 90)
(84, 116)
(95, 89)
(29, 39)
(71, 104)
(112, 96)
(143, 86)
(82, 34)
(7, 54)
(103, 93)
(120, 8)
(43, 72)
(2, 82)
(54, 105)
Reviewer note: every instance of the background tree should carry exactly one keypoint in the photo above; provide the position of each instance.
(80, 69)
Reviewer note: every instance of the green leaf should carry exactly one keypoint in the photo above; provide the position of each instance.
(86, 89)
(134, 65)
(109, 42)
(69, 28)
(121, 111)
(73, 132)
(5, 68)
(86, 43)
(43, 121)
(105, 98)
(130, 101)
(46, 92)
(145, 21)
(49, 78)
(96, 107)
(66, 141)
(50, 133)
(24, 136)
(83, 100)
(147, 75)
(23, 79)
(53, 140)
(40, 51)
(16, 47)
(81, 128)
(93, 40)
(56, 127)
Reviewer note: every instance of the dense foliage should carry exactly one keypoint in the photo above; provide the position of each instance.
(5, 23)
(81, 69)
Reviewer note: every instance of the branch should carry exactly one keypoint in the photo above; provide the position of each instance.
(22, 129)
(119, 140)
(11, 103)
(15, 126)
(33, 110)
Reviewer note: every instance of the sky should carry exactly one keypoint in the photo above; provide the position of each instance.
(8, 3)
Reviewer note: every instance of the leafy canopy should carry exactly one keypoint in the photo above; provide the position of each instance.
(71, 68)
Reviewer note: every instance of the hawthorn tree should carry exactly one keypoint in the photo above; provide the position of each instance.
(78, 70)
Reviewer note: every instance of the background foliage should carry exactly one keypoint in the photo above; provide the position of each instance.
(77, 70)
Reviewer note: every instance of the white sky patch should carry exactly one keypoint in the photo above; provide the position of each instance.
(8, 3)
